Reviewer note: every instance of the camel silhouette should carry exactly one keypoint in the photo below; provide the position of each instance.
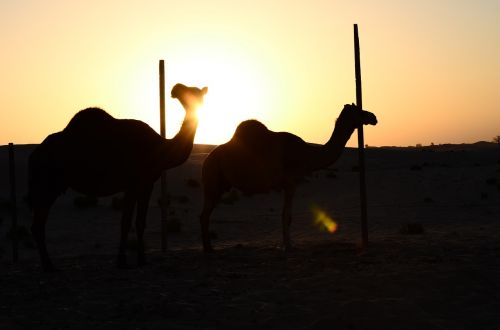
(258, 160)
(99, 155)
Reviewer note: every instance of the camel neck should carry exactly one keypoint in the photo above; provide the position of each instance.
(177, 150)
(332, 150)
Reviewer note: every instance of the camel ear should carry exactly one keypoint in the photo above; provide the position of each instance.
(204, 90)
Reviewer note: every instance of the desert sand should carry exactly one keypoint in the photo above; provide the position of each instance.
(433, 260)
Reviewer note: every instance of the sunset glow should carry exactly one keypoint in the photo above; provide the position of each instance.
(289, 65)
(235, 93)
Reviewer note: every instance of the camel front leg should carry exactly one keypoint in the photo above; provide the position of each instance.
(286, 216)
(208, 206)
(40, 216)
(140, 224)
(129, 201)
(211, 197)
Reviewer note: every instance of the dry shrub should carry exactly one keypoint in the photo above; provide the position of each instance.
(231, 197)
(412, 229)
(192, 183)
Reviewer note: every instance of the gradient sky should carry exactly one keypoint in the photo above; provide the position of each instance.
(430, 69)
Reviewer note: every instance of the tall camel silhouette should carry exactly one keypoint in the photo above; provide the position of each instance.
(258, 160)
(99, 155)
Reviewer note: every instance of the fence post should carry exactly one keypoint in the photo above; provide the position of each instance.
(361, 143)
(163, 179)
(13, 203)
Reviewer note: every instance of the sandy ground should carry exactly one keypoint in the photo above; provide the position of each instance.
(443, 278)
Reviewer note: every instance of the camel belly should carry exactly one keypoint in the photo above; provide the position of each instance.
(105, 182)
(255, 180)
(96, 187)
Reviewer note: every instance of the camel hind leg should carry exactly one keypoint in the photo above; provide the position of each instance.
(213, 188)
(286, 216)
(140, 224)
(129, 201)
(45, 184)
(210, 200)
(40, 216)
(41, 202)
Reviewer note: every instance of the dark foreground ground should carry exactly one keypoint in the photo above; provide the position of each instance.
(436, 282)
(444, 277)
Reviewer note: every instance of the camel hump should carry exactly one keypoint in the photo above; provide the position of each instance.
(251, 132)
(89, 117)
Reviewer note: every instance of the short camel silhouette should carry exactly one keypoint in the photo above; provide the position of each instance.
(99, 155)
(258, 160)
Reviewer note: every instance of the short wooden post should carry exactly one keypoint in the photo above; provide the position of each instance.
(361, 143)
(163, 180)
(13, 202)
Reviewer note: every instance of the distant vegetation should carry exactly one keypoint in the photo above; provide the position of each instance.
(84, 201)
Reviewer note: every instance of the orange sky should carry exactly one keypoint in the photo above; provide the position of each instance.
(430, 69)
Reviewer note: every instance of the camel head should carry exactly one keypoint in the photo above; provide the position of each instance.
(190, 97)
(352, 115)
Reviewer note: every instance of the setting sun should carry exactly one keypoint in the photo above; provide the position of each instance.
(235, 94)
(237, 90)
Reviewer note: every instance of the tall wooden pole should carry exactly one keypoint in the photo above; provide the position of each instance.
(163, 180)
(361, 143)
(13, 202)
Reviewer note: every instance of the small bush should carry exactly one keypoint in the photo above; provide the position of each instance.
(412, 229)
(428, 200)
(192, 183)
(415, 168)
(117, 203)
(5, 205)
(491, 180)
(167, 200)
(19, 233)
(132, 244)
(230, 198)
(484, 195)
(330, 174)
(174, 225)
(85, 201)
(22, 235)
(183, 199)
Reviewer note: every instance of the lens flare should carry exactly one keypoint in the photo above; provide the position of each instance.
(323, 220)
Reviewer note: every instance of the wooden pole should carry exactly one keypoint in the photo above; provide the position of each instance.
(361, 143)
(163, 180)
(13, 202)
